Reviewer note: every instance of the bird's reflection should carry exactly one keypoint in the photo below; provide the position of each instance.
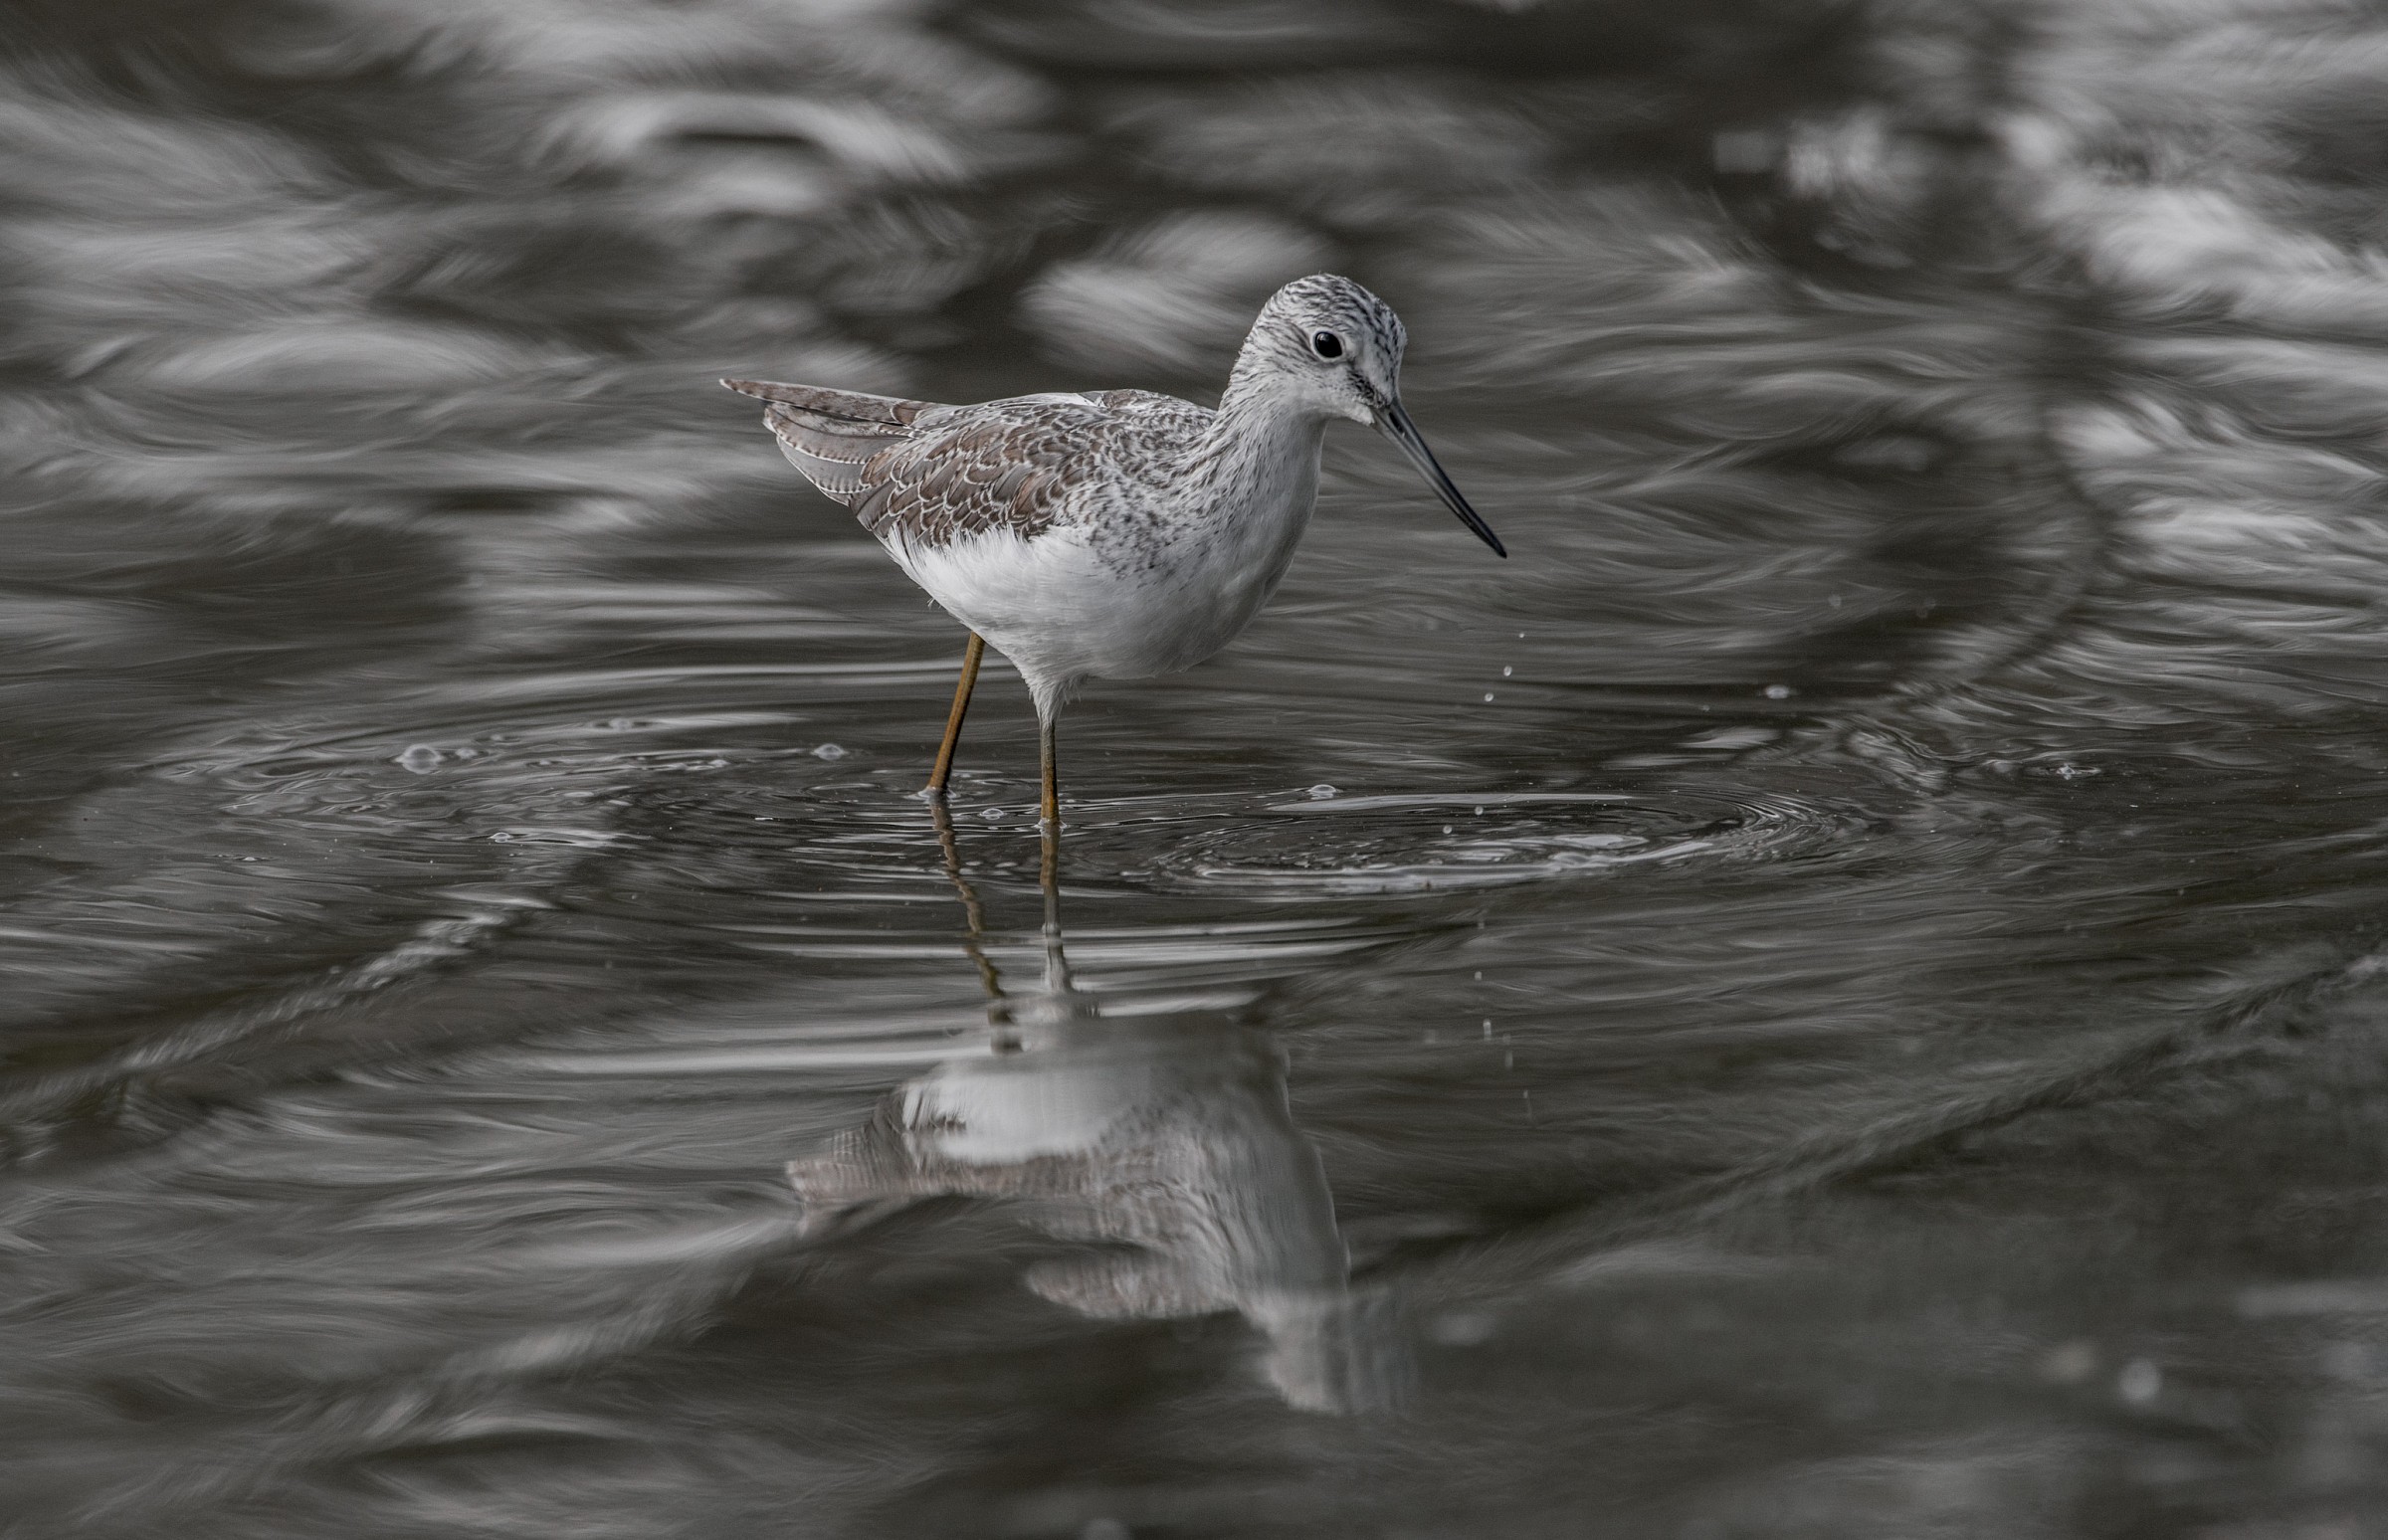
(1160, 1145)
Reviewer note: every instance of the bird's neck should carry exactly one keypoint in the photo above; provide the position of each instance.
(1262, 450)
(1258, 391)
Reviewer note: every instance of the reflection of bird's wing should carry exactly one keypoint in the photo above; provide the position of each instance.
(1128, 1286)
(929, 474)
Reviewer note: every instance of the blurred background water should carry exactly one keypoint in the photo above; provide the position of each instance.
(1838, 994)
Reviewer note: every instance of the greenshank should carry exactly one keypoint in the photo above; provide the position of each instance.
(1113, 534)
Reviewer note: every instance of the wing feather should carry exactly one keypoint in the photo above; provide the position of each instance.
(929, 474)
(831, 435)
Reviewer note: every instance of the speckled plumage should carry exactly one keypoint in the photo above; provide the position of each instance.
(929, 474)
(1116, 533)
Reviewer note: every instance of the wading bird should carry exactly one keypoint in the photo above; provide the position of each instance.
(1117, 534)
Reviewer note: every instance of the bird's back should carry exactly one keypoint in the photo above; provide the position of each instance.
(928, 474)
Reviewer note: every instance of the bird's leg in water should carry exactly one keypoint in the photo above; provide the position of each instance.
(1049, 810)
(954, 720)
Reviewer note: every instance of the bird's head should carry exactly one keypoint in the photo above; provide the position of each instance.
(1334, 350)
(1335, 347)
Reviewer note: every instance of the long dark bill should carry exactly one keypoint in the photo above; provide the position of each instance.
(1395, 424)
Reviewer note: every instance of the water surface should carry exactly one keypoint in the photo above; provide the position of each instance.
(1836, 994)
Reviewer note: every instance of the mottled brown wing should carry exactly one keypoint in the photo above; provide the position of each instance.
(1004, 464)
(831, 435)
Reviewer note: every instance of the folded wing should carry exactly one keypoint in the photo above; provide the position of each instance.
(928, 474)
(832, 436)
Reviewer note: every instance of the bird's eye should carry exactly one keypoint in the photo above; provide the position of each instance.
(1326, 345)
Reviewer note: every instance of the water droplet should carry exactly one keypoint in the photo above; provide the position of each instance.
(422, 759)
(1321, 791)
(829, 751)
(1777, 692)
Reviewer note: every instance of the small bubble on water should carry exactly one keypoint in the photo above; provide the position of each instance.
(1488, 695)
(1447, 829)
(2067, 770)
(1778, 692)
(992, 815)
(2141, 1382)
(1479, 810)
(1320, 791)
(829, 751)
(466, 753)
(422, 759)
(1507, 670)
(620, 723)
(502, 838)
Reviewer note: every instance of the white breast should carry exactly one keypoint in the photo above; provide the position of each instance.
(1050, 604)
(1127, 594)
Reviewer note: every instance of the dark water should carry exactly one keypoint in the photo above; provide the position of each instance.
(1839, 994)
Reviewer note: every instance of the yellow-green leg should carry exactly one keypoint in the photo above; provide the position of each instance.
(953, 719)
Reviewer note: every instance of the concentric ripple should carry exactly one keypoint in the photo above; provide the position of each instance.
(1323, 844)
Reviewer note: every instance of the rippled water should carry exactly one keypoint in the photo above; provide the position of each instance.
(1837, 994)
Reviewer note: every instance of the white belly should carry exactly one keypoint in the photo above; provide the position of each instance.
(1062, 613)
